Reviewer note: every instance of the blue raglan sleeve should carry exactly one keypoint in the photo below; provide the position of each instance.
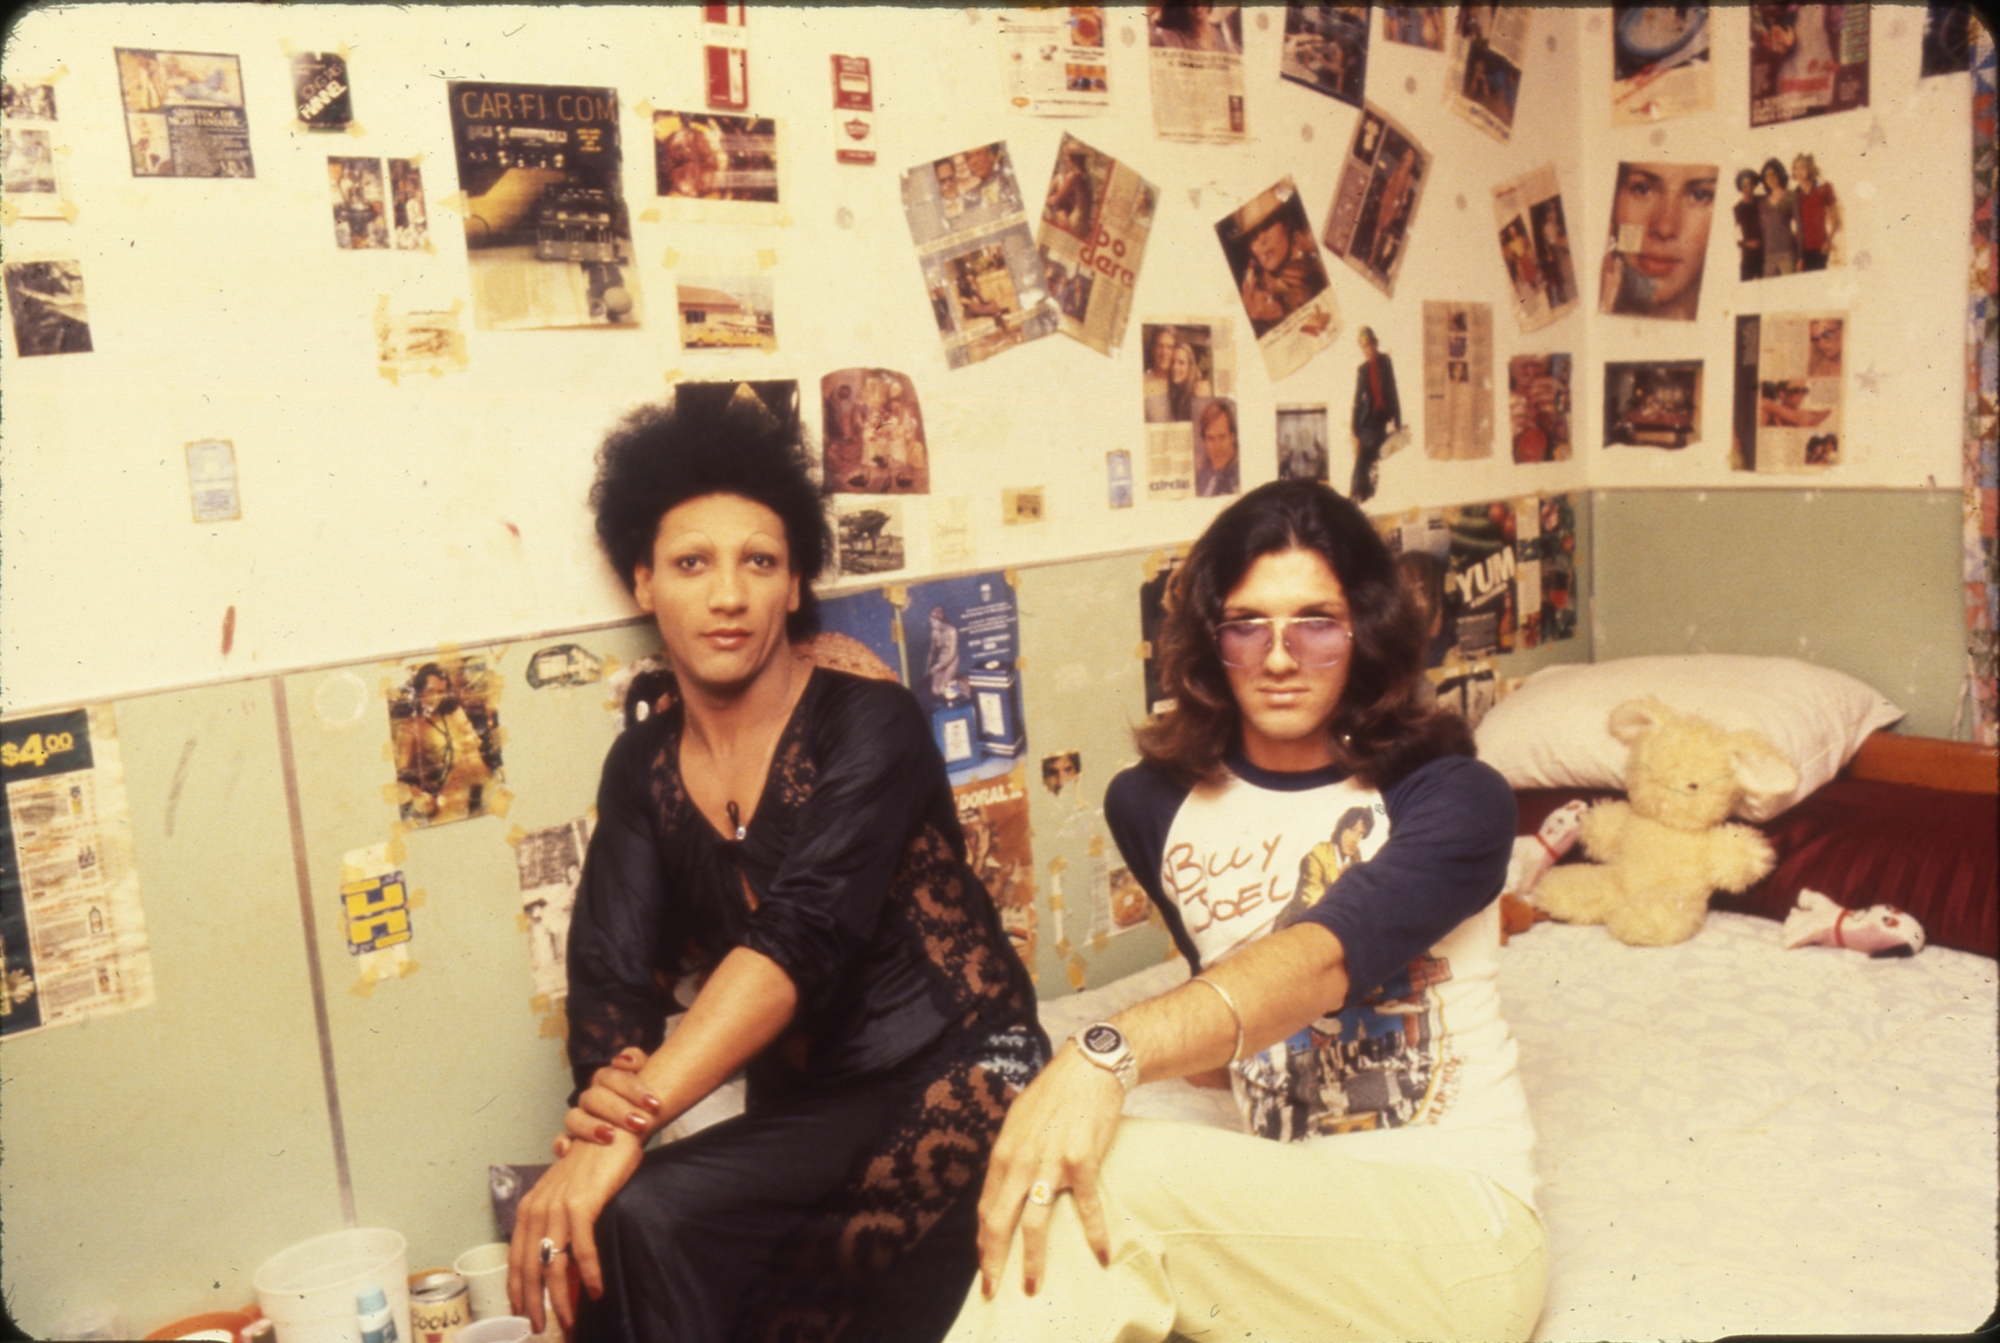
(1139, 810)
(1451, 831)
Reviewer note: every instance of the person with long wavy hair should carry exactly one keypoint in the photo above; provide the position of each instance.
(1382, 1182)
(782, 838)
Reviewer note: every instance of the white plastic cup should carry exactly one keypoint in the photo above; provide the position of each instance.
(308, 1291)
(484, 1268)
(496, 1329)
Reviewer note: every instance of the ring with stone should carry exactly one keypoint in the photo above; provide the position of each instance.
(1040, 1194)
(550, 1250)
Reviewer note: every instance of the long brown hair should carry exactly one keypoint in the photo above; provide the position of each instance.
(1384, 725)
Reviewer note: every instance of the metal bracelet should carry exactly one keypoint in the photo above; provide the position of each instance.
(1236, 1013)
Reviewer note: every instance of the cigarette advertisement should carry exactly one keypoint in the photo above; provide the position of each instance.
(1483, 77)
(1054, 60)
(1789, 391)
(547, 235)
(1381, 180)
(184, 114)
(1458, 380)
(1534, 244)
(1807, 61)
(1279, 275)
(1196, 67)
(980, 264)
(1326, 49)
(1659, 63)
(1095, 221)
(72, 931)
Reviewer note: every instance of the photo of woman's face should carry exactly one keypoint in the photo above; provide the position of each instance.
(1183, 365)
(1660, 225)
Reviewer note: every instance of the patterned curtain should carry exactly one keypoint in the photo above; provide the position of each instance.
(1982, 407)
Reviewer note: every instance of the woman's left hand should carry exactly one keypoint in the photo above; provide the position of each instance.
(562, 1211)
(1054, 1137)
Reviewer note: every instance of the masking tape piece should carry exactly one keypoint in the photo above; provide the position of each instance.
(1012, 576)
(539, 1004)
(405, 969)
(356, 130)
(1144, 651)
(766, 258)
(1099, 941)
(501, 801)
(1058, 865)
(670, 258)
(521, 925)
(458, 203)
(396, 852)
(1055, 902)
(515, 834)
(395, 794)
(898, 595)
(1096, 846)
(1076, 972)
(555, 1026)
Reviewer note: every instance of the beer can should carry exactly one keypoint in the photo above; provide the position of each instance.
(440, 1306)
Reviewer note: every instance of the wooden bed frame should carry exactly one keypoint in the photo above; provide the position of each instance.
(1929, 762)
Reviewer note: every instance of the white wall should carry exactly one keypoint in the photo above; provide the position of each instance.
(379, 517)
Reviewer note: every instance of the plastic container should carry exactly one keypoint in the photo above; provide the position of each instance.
(495, 1329)
(231, 1323)
(309, 1290)
(484, 1268)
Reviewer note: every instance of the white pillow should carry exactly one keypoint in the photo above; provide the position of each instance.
(1553, 732)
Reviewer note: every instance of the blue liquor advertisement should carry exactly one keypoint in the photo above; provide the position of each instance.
(963, 636)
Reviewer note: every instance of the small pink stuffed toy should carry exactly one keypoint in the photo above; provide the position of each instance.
(1879, 930)
(1537, 853)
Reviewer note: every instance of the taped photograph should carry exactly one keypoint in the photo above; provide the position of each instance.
(444, 726)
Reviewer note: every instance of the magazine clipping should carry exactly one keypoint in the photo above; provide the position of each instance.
(727, 307)
(409, 218)
(1545, 568)
(32, 179)
(184, 114)
(1414, 25)
(1479, 596)
(1189, 361)
(1158, 570)
(72, 929)
(1421, 543)
(980, 264)
(445, 740)
(1787, 219)
(1806, 61)
(1657, 249)
(1055, 60)
(550, 866)
(1326, 49)
(1534, 242)
(1458, 380)
(1538, 405)
(1196, 66)
(872, 428)
(45, 301)
(1381, 180)
(1652, 405)
(1947, 39)
(1483, 74)
(1788, 393)
(993, 813)
(962, 637)
(1302, 442)
(548, 239)
(714, 169)
(1280, 278)
(321, 91)
(1659, 63)
(360, 203)
(1095, 222)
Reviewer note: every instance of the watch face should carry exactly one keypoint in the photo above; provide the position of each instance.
(1103, 1039)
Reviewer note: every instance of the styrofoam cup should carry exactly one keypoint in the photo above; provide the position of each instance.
(309, 1290)
(496, 1329)
(484, 1268)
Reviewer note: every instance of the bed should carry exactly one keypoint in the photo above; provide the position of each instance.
(1732, 1137)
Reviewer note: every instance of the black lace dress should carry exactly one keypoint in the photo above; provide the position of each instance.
(840, 1204)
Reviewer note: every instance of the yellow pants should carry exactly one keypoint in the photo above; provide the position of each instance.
(1219, 1235)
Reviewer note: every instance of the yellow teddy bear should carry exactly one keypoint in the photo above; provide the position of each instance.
(1657, 858)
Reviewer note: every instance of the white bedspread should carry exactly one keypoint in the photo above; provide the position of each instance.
(1735, 1138)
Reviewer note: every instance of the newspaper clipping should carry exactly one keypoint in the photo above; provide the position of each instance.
(1788, 394)
(873, 430)
(31, 183)
(1189, 363)
(547, 236)
(1055, 60)
(1534, 242)
(1326, 49)
(550, 864)
(1538, 402)
(1196, 62)
(1458, 380)
(1652, 405)
(1659, 63)
(1807, 61)
(184, 114)
(1095, 222)
(72, 930)
(1368, 224)
(1483, 79)
(1281, 278)
(980, 264)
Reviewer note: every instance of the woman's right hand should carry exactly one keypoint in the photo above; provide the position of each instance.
(562, 1211)
(614, 1100)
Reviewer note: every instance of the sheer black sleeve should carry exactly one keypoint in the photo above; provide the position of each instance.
(873, 774)
(627, 929)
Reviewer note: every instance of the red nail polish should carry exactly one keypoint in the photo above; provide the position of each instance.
(637, 1123)
(605, 1133)
(1028, 1286)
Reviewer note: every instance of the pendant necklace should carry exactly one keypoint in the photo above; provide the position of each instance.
(736, 820)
